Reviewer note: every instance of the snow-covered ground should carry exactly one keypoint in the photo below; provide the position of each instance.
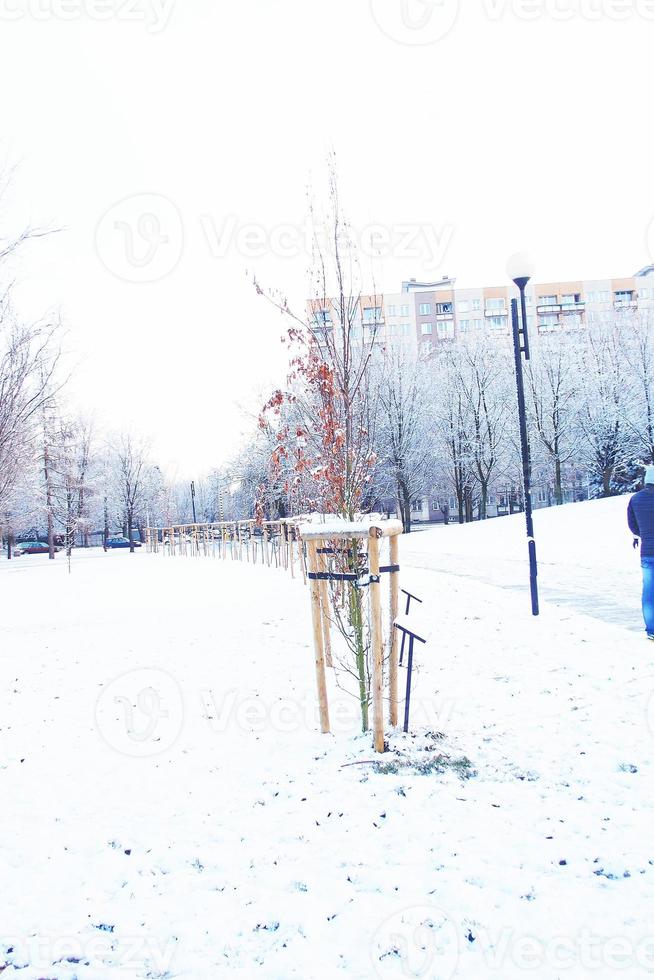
(171, 810)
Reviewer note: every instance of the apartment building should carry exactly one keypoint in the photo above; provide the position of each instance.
(443, 312)
(425, 314)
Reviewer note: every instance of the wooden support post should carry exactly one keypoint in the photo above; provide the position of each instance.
(394, 608)
(376, 641)
(265, 544)
(316, 618)
(303, 566)
(324, 607)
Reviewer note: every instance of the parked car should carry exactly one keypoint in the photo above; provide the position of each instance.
(31, 548)
(118, 541)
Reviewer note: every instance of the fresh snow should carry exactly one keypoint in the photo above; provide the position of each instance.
(170, 808)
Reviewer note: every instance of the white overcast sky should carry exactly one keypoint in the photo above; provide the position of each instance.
(510, 127)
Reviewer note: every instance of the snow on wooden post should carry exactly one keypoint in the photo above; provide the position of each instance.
(376, 639)
(394, 606)
(316, 617)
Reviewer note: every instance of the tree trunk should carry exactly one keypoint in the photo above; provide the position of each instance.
(558, 482)
(405, 506)
(483, 503)
(105, 532)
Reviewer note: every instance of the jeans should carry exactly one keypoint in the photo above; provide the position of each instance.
(648, 593)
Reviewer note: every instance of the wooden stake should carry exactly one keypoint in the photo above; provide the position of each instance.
(393, 633)
(376, 642)
(316, 618)
(324, 606)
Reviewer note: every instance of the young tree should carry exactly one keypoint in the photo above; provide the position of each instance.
(324, 421)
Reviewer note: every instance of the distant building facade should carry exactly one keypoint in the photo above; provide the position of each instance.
(423, 315)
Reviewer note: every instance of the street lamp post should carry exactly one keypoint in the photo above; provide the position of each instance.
(520, 271)
(195, 520)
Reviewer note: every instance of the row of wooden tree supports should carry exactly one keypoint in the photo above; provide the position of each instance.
(318, 544)
(302, 549)
(273, 543)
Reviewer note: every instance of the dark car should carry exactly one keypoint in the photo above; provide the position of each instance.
(32, 548)
(118, 541)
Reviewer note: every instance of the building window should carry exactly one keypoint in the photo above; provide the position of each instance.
(548, 322)
(497, 322)
(548, 300)
(404, 311)
(425, 309)
(477, 324)
(372, 314)
(391, 310)
(442, 308)
(624, 296)
(463, 306)
(426, 328)
(322, 319)
(498, 303)
(644, 294)
(405, 329)
(464, 324)
(570, 298)
(476, 304)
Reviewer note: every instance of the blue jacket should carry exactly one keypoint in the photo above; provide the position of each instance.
(640, 515)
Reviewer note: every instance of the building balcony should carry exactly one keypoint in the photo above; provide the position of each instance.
(573, 307)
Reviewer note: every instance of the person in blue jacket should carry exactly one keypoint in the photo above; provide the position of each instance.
(640, 516)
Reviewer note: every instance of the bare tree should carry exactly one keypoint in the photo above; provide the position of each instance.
(405, 425)
(130, 455)
(553, 380)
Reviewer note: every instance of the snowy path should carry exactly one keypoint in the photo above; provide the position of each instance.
(171, 811)
(598, 576)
